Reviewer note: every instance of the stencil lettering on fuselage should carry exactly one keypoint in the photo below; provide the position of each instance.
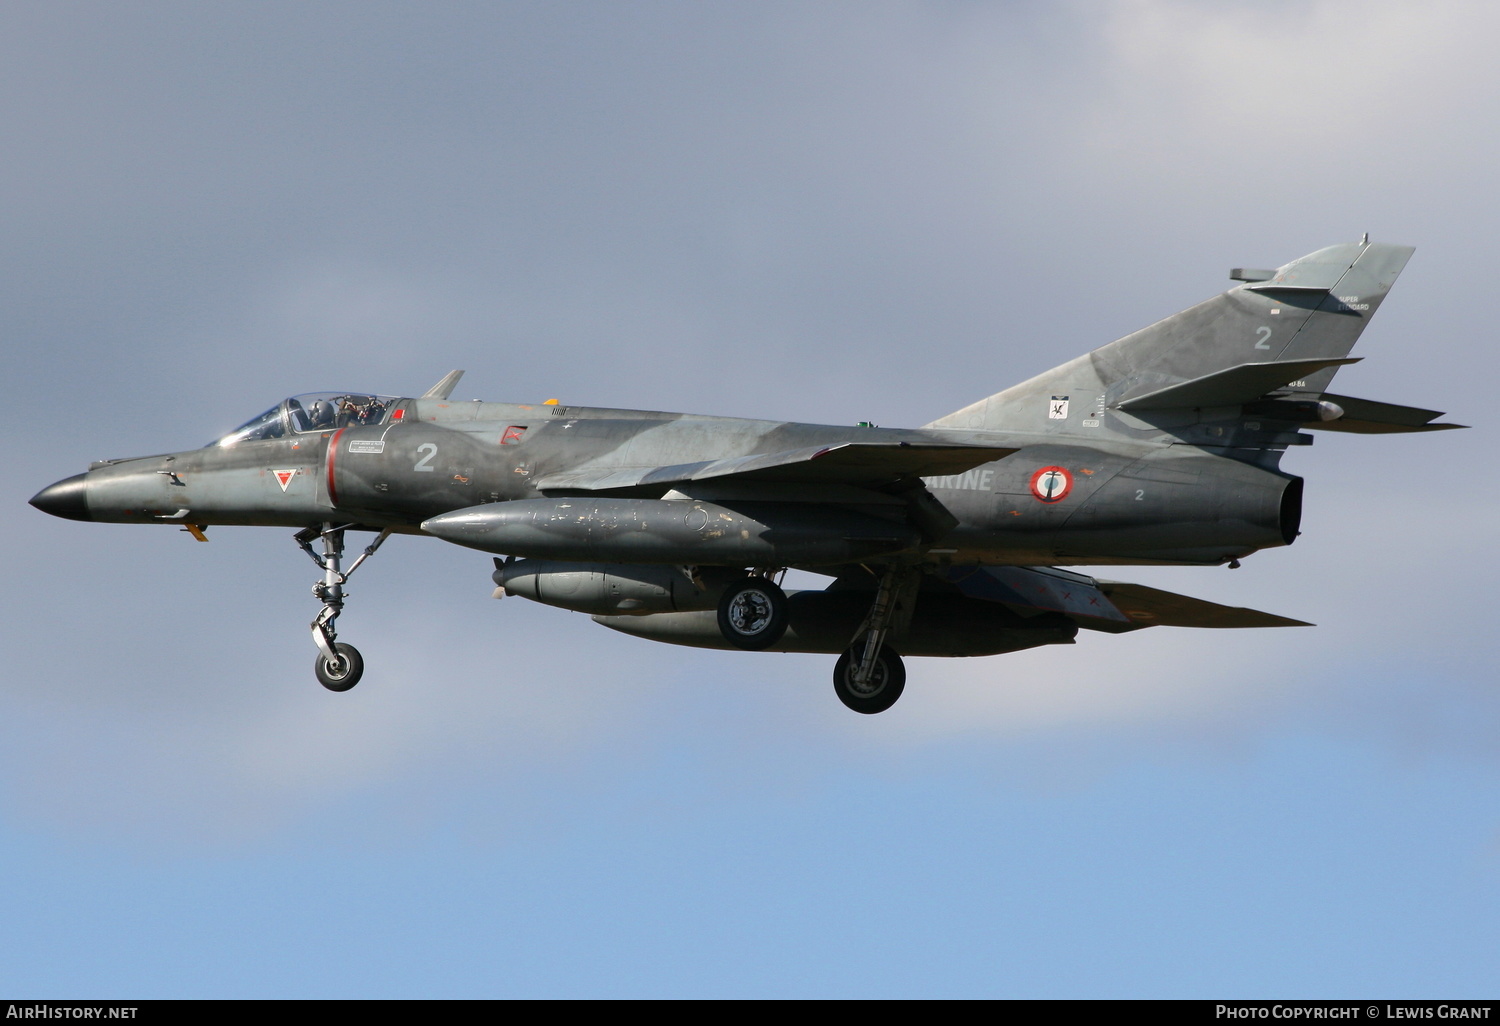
(980, 479)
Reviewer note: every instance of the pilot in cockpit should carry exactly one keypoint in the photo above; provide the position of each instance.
(322, 414)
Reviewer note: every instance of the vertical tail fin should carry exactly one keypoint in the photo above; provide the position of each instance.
(1309, 311)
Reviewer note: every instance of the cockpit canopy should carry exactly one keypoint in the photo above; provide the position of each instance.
(314, 411)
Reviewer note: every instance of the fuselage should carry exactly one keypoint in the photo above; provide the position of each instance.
(1056, 500)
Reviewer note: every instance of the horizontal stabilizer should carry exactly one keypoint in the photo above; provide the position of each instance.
(1149, 607)
(1276, 288)
(867, 464)
(1047, 588)
(1232, 386)
(1367, 417)
(1111, 606)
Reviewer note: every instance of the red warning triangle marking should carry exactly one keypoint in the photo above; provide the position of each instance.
(284, 477)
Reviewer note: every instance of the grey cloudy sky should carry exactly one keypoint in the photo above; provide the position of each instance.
(831, 212)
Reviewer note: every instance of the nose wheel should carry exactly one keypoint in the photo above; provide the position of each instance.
(342, 672)
(339, 665)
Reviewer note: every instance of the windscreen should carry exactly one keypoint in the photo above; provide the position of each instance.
(314, 411)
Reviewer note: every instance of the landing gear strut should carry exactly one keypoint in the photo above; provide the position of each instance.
(339, 665)
(870, 676)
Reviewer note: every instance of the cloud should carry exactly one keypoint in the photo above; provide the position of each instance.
(1280, 98)
(881, 217)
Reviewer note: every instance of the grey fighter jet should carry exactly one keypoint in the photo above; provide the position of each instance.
(1163, 447)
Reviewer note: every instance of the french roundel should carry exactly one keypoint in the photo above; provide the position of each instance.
(1051, 484)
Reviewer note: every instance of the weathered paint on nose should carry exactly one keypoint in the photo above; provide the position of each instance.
(67, 498)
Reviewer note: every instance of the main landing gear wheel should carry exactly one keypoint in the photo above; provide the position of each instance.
(887, 680)
(343, 674)
(753, 614)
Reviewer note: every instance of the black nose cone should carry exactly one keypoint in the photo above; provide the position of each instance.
(68, 498)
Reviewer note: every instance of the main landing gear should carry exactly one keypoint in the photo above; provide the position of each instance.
(881, 686)
(869, 676)
(753, 613)
(339, 665)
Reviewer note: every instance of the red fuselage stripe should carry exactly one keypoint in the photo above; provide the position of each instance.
(333, 448)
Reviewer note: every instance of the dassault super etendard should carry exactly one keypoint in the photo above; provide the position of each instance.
(1163, 447)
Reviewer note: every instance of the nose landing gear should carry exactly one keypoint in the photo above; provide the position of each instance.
(339, 665)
